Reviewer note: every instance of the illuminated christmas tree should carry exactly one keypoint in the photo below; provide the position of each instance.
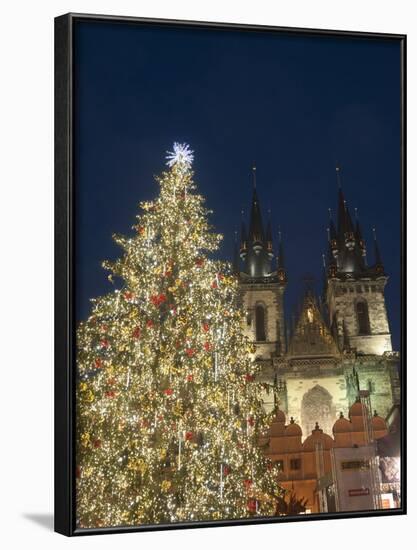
(169, 412)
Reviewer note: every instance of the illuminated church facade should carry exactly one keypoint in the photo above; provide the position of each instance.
(337, 346)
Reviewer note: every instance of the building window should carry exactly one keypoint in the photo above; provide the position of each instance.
(373, 288)
(371, 386)
(359, 288)
(260, 323)
(295, 464)
(363, 317)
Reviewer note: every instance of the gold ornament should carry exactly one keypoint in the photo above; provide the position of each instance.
(165, 485)
(85, 439)
(162, 454)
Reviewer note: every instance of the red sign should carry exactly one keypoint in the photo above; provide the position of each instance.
(358, 492)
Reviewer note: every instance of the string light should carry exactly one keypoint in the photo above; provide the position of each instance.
(160, 438)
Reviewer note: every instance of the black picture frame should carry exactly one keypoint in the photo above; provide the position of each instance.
(64, 270)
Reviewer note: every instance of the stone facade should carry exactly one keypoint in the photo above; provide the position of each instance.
(268, 296)
(343, 297)
(315, 381)
(336, 349)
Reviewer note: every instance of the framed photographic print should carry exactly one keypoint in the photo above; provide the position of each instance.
(230, 274)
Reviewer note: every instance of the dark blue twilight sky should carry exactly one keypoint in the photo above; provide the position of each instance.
(293, 104)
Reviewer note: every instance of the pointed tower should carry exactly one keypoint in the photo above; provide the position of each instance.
(243, 238)
(259, 252)
(262, 287)
(379, 266)
(355, 291)
(281, 273)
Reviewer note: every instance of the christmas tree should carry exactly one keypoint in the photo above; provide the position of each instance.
(169, 411)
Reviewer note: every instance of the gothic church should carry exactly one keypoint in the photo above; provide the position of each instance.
(338, 345)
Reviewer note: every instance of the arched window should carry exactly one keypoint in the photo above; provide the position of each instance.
(260, 323)
(363, 317)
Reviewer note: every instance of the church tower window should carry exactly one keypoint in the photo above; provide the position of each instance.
(363, 317)
(260, 323)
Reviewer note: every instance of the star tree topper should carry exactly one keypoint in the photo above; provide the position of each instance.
(182, 155)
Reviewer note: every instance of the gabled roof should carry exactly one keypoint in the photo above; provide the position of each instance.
(312, 336)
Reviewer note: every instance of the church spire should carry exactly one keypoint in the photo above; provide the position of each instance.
(332, 236)
(256, 229)
(282, 274)
(379, 266)
(358, 236)
(332, 228)
(268, 236)
(243, 238)
(256, 249)
(345, 225)
(345, 242)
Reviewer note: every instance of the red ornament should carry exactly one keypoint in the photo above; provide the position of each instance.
(149, 323)
(141, 230)
(98, 363)
(249, 378)
(206, 327)
(214, 284)
(251, 421)
(190, 378)
(226, 470)
(128, 296)
(188, 436)
(199, 262)
(136, 333)
(190, 352)
(97, 444)
(158, 299)
(247, 483)
(252, 505)
(110, 394)
(104, 343)
(207, 346)
(168, 391)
